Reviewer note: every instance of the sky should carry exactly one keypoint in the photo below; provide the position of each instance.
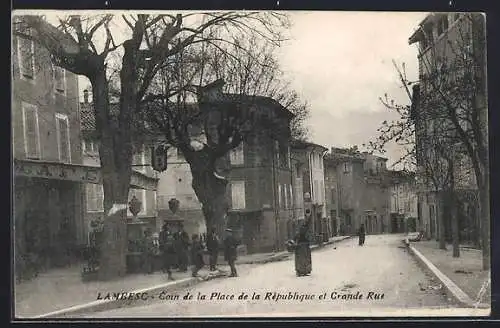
(341, 63)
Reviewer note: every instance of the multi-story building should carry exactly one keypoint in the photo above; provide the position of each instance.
(48, 171)
(144, 179)
(357, 191)
(404, 202)
(259, 191)
(310, 156)
(451, 46)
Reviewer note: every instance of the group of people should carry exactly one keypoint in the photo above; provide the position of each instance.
(174, 248)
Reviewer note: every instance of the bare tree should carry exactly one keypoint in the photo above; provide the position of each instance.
(253, 85)
(451, 93)
(150, 40)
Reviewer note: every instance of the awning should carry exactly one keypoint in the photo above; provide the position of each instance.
(75, 172)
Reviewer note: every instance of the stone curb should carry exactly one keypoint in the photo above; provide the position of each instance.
(451, 288)
(104, 305)
(285, 255)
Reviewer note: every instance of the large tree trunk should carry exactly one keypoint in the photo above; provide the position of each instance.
(440, 216)
(209, 188)
(116, 156)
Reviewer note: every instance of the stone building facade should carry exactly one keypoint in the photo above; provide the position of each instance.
(454, 41)
(357, 191)
(48, 172)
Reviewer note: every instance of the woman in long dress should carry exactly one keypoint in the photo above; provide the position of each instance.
(303, 264)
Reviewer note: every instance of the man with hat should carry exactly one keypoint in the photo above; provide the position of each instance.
(230, 245)
(167, 248)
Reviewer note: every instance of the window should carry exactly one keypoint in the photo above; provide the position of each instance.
(285, 196)
(31, 131)
(63, 138)
(26, 57)
(280, 201)
(238, 195)
(346, 167)
(59, 79)
(139, 159)
(236, 156)
(140, 194)
(321, 191)
(95, 197)
(291, 196)
(84, 146)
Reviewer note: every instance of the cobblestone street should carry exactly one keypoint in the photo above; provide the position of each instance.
(382, 272)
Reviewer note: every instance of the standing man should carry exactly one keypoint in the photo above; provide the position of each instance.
(168, 250)
(213, 248)
(230, 245)
(149, 251)
(197, 254)
(361, 234)
(182, 248)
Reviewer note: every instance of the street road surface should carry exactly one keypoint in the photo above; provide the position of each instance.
(379, 278)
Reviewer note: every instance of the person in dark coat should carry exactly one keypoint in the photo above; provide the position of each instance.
(213, 248)
(149, 251)
(182, 249)
(303, 263)
(361, 234)
(197, 254)
(167, 248)
(230, 254)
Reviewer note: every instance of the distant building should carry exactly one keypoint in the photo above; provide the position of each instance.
(309, 158)
(358, 191)
(404, 202)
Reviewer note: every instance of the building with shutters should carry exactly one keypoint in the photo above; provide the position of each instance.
(308, 158)
(454, 46)
(358, 191)
(259, 191)
(48, 166)
(144, 179)
(404, 202)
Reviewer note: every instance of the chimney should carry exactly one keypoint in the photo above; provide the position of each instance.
(86, 96)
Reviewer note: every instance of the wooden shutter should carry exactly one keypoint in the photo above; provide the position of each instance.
(26, 57)
(31, 131)
(63, 138)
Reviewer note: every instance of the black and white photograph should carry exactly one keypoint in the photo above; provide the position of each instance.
(242, 164)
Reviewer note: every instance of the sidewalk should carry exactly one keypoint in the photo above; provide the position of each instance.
(465, 271)
(63, 288)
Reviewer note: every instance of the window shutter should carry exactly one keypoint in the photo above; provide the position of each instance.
(238, 195)
(31, 131)
(64, 151)
(59, 78)
(27, 57)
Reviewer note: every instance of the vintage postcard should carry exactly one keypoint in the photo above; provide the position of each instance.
(249, 164)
